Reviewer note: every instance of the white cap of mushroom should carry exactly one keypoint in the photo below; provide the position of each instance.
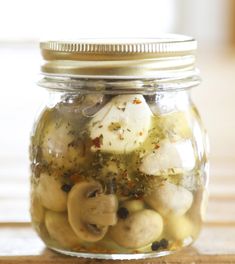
(178, 155)
(123, 124)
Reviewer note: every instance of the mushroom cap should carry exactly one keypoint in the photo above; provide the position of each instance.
(74, 107)
(37, 211)
(170, 199)
(198, 211)
(90, 211)
(133, 205)
(59, 229)
(173, 103)
(59, 146)
(179, 227)
(123, 123)
(50, 193)
(179, 155)
(204, 204)
(138, 229)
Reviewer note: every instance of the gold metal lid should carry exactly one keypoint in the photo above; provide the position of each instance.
(124, 58)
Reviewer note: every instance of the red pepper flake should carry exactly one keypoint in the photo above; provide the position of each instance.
(98, 141)
(141, 133)
(75, 178)
(130, 184)
(156, 146)
(125, 174)
(137, 101)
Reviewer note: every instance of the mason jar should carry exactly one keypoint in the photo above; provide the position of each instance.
(119, 166)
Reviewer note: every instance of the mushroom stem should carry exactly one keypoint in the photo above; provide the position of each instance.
(91, 211)
(101, 210)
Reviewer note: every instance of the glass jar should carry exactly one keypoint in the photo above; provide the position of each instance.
(119, 154)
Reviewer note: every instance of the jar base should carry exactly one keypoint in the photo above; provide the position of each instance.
(110, 256)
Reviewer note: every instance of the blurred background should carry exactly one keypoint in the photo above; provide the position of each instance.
(23, 23)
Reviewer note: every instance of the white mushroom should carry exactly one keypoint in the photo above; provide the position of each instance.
(36, 209)
(73, 107)
(179, 227)
(170, 199)
(41, 230)
(121, 125)
(168, 103)
(179, 155)
(198, 210)
(204, 204)
(59, 229)
(133, 205)
(138, 229)
(59, 146)
(50, 193)
(90, 211)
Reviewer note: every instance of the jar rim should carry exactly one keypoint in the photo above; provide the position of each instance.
(116, 86)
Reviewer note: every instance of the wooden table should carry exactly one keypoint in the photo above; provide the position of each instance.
(216, 244)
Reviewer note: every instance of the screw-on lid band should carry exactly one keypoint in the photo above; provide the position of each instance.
(119, 58)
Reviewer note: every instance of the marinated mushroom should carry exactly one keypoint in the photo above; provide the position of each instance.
(204, 204)
(138, 229)
(179, 155)
(90, 211)
(179, 227)
(121, 125)
(59, 229)
(36, 209)
(133, 205)
(50, 193)
(168, 103)
(198, 211)
(59, 146)
(76, 106)
(170, 199)
(93, 103)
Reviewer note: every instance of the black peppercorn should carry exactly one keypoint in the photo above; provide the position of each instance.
(155, 246)
(66, 187)
(122, 213)
(164, 243)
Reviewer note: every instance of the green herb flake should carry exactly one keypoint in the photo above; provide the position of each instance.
(114, 126)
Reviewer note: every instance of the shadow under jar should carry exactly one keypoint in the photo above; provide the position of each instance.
(119, 154)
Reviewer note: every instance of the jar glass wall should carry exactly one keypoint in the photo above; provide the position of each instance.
(117, 173)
